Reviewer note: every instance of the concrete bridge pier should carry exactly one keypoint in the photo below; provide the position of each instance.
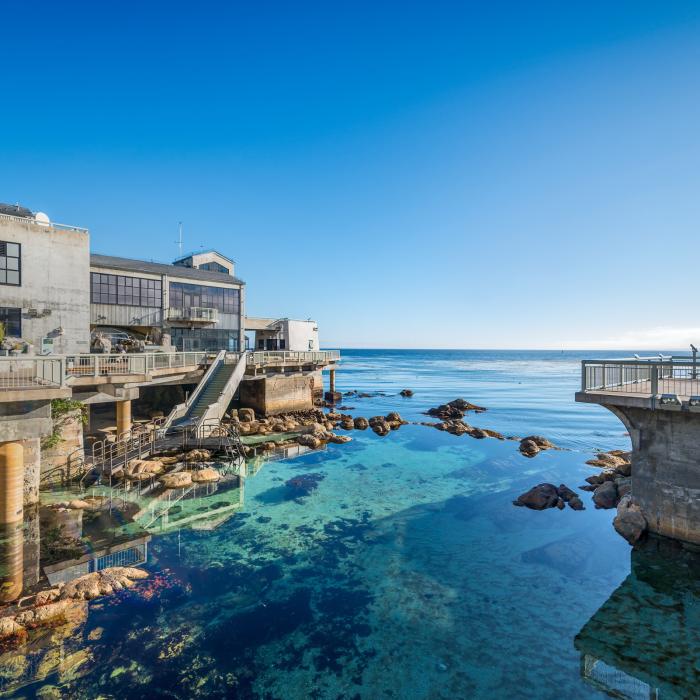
(665, 468)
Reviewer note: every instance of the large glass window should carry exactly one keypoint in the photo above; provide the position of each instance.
(10, 264)
(187, 339)
(12, 321)
(129, 291)
(184, 296)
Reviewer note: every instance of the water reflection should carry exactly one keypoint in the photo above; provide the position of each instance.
(644, 641)
(76, 532)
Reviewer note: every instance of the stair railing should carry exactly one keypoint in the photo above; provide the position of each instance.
(182, 408)
(216, 410)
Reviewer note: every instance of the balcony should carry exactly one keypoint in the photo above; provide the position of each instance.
(194, 314)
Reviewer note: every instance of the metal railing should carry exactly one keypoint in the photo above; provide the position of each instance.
(194, 313)
(130, 363)
(645, 376)
(34, 222)
(17, 372)
(262, 357)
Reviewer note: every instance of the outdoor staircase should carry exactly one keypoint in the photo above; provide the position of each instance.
(209, 401)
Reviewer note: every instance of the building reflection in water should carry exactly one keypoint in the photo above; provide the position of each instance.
(644, 641)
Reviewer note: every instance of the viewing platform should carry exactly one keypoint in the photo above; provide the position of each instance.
(658, 401)
(52, 373)
(671, 383)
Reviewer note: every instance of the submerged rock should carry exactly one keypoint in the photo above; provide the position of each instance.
(406, 393)
(304, 484)
(361, 423)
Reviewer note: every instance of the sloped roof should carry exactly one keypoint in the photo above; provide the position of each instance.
(155, 268)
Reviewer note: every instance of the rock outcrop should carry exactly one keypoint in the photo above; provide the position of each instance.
(534, 444)
(177, 480)
(454, 410)
(630, 521)
(548, 495)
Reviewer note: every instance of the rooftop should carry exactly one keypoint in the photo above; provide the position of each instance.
(203, 252)
(155, 268)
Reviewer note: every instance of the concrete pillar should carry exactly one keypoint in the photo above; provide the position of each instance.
(331, 386)
(11, 561)
(11, 482)
(123, 417)
(11, 525)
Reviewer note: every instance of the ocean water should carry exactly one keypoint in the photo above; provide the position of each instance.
(404, 570)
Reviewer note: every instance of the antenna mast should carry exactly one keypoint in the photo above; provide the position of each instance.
(179, 240)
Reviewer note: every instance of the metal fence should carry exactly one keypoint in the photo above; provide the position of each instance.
(643, 376)
(31, 373)
(130, 363)
(263, 357)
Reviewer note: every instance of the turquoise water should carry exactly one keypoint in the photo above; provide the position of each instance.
(404, 571)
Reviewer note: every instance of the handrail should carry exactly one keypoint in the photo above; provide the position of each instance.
(258, 357)
(181, 409)
(227, 390)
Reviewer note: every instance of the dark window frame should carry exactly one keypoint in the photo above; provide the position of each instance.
(124, 290)
(227, 300)
(4, 319)
(4, 264)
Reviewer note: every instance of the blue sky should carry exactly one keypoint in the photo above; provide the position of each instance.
(426, 174)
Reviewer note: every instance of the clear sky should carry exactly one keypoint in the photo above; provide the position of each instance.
(409, 174)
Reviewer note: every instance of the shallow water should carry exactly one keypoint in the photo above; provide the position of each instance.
(405, 572)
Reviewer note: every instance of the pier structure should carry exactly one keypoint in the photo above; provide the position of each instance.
(658, 401)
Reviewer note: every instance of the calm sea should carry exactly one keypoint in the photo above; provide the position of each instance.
(406, 572)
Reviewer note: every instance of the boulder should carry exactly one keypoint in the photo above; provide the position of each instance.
(98, 583)
(206, 475)
(528, 448)
(333, 397)
(177, 480)
(340, 439)
(630, 521)
(198, 456)
(392, 417)
(361, 423)
(576, 503)
(407, 393)
(566, 493)
(9, 628)
(347, 424)
(309, 440)
(246, 415)
(605, 496)
(539, 497)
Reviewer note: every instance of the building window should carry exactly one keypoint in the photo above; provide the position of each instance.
(204, 339)
(214, 267)
(127, 291)
(11, 320)
(185, 296)
(10, 264)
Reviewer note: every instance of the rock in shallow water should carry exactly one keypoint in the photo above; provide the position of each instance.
(605, 496)
(630, 521)
(539, 497)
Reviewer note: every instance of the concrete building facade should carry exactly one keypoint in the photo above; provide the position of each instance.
(44, 284)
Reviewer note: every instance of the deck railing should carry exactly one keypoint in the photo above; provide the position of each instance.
(130, 363)
(647, 376)
(17, 372)
(34, 222)
(262, 357)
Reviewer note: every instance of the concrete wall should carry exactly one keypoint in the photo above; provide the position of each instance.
(70, 448)
(666, 469)
(55, 281)
(278, 393)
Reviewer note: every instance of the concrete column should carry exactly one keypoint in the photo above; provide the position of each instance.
(11, 482)
(11, 561)
(331, 386)
(123, 417)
